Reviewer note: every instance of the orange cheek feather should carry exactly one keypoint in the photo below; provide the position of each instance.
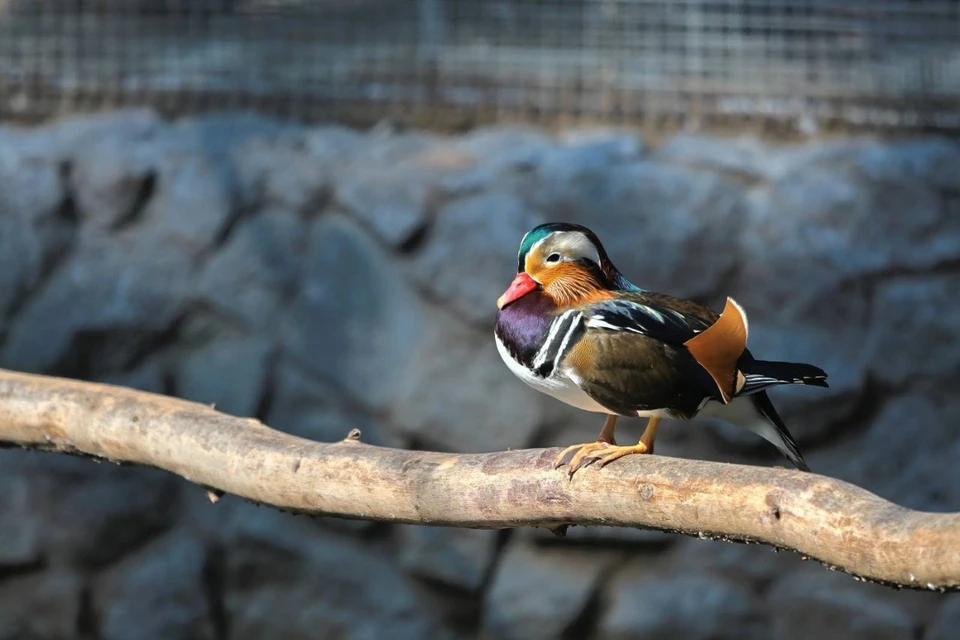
(521, 286)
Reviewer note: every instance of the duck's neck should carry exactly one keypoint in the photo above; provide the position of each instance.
(522, 325)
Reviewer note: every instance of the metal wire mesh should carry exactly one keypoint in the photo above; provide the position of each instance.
(809, 63)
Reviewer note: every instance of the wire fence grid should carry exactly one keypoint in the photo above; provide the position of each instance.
(806, 64)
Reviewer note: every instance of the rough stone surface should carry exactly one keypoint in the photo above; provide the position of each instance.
(156, 593)
(922, 475)
(643, 604)
(35, 227)
(256, 272)
(112, 180)
(285, 171)
(227, 373)
(389, 200)
(43, 606)
(457, 557)
(541, 592)
(439, 386)
(307, 406)
(358, 327)
(20, 536)
(915, 319)
(118, 299)
(94, 515)
(818, 604)
(946, 625)
(332, 279)
(282, 581)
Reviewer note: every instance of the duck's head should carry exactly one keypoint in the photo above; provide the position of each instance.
(565, 261)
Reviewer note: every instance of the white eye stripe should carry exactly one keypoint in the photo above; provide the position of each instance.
(572, 245)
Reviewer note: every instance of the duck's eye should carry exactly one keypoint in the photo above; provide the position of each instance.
(553, 257)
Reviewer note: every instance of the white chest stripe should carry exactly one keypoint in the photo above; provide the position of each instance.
(554, 348)
(551, 338)
(577, 321)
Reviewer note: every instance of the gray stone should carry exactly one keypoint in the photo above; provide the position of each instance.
(471, 255)
(307, 406)
(257, 270)
(94, 514)
(281, 170)
(32, 187)
(150, 377)
(396, 200)
(585, 156)
(228, 373)
(616, 145)
(506, 156)
(758, 563)
(72, 135)
(43, 606)
(156, 593)
(354, 319)
(745, 157)
(98, 310)
(32, 231)
(840, 155)
(893, 461)
(286, 579)
(455, 393)
(384, 147)
(810, 235)
(21, 260)
(20, 524)
(517, 147)
(540, 593)
(456, 557)
(645, 604)
(193, 200)
(828, 606)
(914, 327)
(946, 624)
(392, 201)
(332, 143)
(111, 179)
(933, 160)
(605, 536)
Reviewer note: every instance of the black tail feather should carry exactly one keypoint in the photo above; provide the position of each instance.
(761, 374)
(787, 445)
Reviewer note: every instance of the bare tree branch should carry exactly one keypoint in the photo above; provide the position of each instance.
(841, 525)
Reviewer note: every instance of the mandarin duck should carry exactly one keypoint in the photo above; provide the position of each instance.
(572, 326)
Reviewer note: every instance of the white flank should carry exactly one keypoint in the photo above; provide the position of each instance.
(742, 413)
(559, 385)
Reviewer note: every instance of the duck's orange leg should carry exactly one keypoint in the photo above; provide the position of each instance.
(604, 440)
(603, 452)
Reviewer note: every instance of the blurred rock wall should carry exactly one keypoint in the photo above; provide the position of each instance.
(323, 279)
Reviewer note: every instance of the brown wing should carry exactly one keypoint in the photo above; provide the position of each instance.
(629, 372)
(655, 335)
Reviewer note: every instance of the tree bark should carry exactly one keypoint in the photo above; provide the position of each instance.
(843, 526)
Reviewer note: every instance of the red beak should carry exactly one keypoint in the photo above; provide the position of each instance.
(521, 286)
